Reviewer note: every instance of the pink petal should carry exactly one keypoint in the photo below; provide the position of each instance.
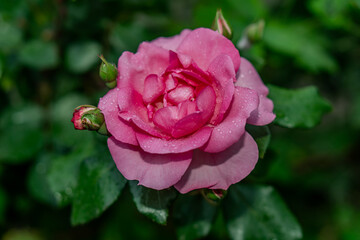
(171, 43)
(206, 101)
(118, 128)
(132, 108)
(186, 108)
(230, 130)
(153, 88)
(180, 94)
(220, 170)
(248, 77)
(189, 124)
(134, 68)
(166, 118)
(156, 145)
(222, 70)
(204, 45)
(151, 170)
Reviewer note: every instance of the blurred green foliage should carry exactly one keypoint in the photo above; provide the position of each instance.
(49, 65)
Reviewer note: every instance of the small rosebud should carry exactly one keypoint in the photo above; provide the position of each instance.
(221, 25)
(108, 72)
(213, 196)
(252, 34)
(90, 118)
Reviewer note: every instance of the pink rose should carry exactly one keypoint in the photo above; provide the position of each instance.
(178, 114)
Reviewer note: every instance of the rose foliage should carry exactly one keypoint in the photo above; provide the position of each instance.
(178, 113)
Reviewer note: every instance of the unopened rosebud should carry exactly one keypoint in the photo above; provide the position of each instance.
(221, 25)
(108, 72)
(213, 196)
(88, 117)
(252, 34)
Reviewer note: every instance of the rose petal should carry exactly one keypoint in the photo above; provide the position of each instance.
(230, 130)
(204, 45)
(162, 146)
(120, 129)
(166, 118)
(220, 170)
(171, 43)
(186, 108)
(153, 88)
(222, 70)
(206, 103)
(132, 108)
(248, 77)
(151, 170)
(180, 94)
(134, 68)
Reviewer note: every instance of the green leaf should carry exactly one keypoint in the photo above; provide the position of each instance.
(39, 54)
(258, 212)
(21, 136)
(193, 216)
(99, 185)
(126, 37)
(301, 42)
(63, 173)
(38, 184)
(302, 107)
(80, 57)
(262, 136)
(152, 203)
(10, 36)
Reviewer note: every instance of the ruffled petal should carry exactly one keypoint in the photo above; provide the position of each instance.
(156, 145)
(118, 128)
(153, 88)
(166, 118)
(204, 45)
(230, 130)
(222, 70)
(134, 68)
(151, 170)
(248, 77)
(220, 170)
(205, 103)
(132, 109)
(171, 43)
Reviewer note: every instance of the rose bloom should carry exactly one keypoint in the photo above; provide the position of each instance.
(178, 113)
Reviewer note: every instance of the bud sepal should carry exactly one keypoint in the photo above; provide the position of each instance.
(213, 196)
(88, 117)
(108, 73)
(221, 25)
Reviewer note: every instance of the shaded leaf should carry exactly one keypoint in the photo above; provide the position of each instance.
(37, 180)
(63, 174)
(262, 136)
(193, 216)
(302, 107)
(80, 57)
(301, 42)
(21, 136)
(152, 203)
(10, 36)
(99, 185)
(258, 212)
(39, 54)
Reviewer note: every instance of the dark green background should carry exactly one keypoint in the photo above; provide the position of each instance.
(49, 65)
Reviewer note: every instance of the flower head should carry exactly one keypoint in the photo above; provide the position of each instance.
(178, 113)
